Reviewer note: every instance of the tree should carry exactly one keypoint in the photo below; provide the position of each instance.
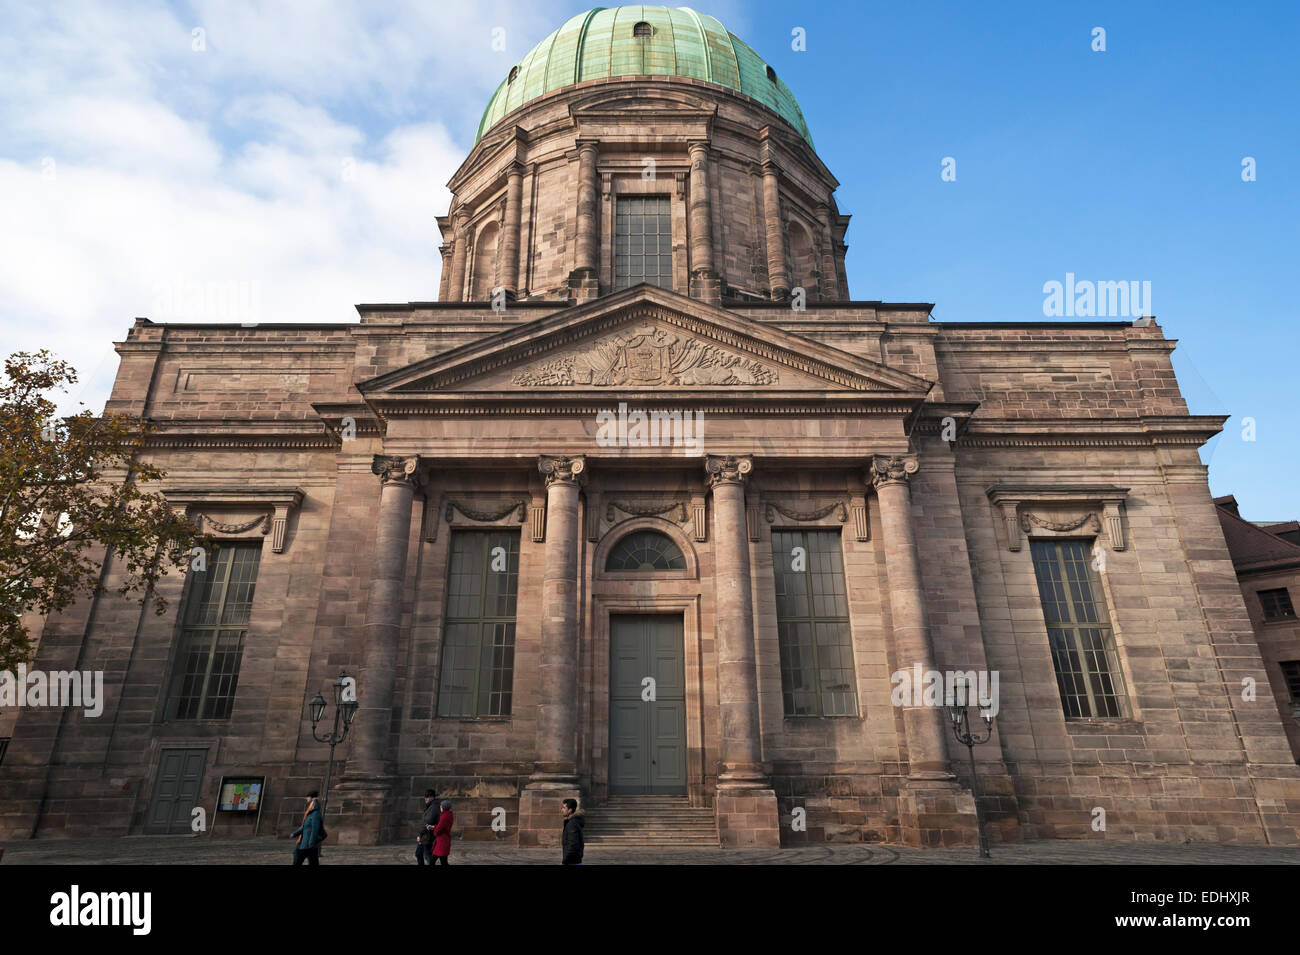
(69, 488)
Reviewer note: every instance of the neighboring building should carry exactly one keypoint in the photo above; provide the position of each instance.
(1267, 558)
(459, 503)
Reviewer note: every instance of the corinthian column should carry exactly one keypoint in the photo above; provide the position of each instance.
(557, 718)
(927, 751)
(383, 615)
(734, 626)
(509, 258)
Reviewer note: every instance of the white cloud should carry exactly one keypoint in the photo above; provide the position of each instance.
(298, 160)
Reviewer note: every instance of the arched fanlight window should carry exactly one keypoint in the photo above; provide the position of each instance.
(642, 29)
(645, 550)
(771, 74)
(514, 72)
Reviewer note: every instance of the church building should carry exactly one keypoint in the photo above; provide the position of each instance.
(648, 510)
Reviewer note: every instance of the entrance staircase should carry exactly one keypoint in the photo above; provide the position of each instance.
(650, 822)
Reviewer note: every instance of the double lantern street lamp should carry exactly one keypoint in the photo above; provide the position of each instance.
(961, 728)
(345, 711)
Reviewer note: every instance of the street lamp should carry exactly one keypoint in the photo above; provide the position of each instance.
(345, 711)
(970, 739)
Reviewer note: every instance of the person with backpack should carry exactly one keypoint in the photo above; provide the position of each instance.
(571, 841)
(429, 822)
(311, 833)
(442, 834)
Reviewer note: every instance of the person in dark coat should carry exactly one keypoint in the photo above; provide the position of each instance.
(429, 822)
(310, 834)
(571, 842)
(442, 834)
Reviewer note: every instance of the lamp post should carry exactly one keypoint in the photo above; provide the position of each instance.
(345, 711)
(969, 738)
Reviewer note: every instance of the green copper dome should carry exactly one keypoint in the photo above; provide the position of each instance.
(611, 42)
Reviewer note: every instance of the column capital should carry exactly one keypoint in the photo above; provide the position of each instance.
(588, 145)
(396, 469)
(566, 470)
(888, 469)
(514, 168)
(697, 146)
(728, 469)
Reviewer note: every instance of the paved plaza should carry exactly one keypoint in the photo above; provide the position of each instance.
(186, 850)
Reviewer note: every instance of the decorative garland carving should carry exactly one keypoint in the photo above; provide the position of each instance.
(815, 514)
(1029, 521)
(223, 528)
(479, 514)
(646, 509)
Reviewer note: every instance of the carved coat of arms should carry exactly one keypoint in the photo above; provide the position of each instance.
(646, 356)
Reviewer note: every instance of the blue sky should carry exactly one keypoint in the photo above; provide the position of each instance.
(302, 150)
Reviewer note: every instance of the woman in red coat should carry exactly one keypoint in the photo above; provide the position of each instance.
(442, 834)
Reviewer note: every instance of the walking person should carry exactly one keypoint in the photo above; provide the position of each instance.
(442, 834)
(429, 822)
(311, 833)
(571, 842)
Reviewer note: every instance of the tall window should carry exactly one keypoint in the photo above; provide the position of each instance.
(1078, 630)
(212, 640)
(812, 619)
(1276, 604)
(478, 650)
(643, 242)
(1291, 673)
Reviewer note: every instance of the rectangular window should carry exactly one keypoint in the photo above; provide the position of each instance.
(1078, 630)
(478, 647)
(1291, 673)
(4, 745)
(643, 242)
(812, 620)
(1277, 604)
(217, 609)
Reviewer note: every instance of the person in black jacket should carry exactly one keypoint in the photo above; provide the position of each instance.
(571, 842)
(429, 819)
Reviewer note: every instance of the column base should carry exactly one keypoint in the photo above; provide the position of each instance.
(583, 285)
(706, 287)
(747, 817)
(540, 825)
(935, 812)
(358, 812)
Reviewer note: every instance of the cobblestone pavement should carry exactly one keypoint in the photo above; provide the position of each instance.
(187, 850)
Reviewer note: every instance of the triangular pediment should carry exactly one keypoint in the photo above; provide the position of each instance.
(640, 340)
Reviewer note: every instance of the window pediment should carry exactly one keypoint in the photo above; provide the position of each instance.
(1053, 510)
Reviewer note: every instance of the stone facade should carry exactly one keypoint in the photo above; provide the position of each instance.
(1266, 556)
(936, 451)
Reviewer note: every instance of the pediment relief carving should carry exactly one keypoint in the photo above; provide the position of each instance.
(648, 355)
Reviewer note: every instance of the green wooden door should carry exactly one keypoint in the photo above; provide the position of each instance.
(176, 790)
(647, 737)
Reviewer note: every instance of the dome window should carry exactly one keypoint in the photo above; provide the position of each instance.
(514, 71)
(643, 29)
(771, 74)
(645, 551)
